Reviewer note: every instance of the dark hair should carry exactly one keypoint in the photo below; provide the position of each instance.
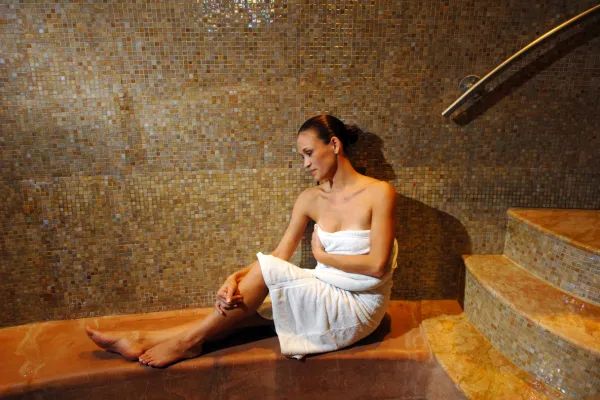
(328, 126)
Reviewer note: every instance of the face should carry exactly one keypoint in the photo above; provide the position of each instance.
(319, 158)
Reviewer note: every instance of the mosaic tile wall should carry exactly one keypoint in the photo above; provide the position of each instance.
(558, 363)
(147, 148)
(563, 265)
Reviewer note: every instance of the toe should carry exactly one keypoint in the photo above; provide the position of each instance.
(157, 364)
(146, 357)
(90, 332)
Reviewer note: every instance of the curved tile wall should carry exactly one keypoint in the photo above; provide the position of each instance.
(563, 265)
(147, 148)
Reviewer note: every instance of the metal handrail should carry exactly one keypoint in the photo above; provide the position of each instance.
(472, 89)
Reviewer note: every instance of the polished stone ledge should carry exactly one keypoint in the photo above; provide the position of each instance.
(57, 360)
(543, 330)
(475, 366)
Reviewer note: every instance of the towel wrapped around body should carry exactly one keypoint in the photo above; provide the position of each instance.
(325, 309)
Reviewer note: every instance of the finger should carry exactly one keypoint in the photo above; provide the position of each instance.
(224, 291)
(225, 306)
(235, 300)
(228, 307)
(315, 239)
(218, 308)
(230, 295)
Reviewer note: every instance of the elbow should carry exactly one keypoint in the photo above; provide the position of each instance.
(380, 273)
(380, 267)
(379, 270)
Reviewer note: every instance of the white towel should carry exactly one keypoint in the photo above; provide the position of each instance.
(325, 309)
(350, 243)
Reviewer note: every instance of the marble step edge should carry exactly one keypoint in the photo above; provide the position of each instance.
(475, 366)
(569, 318)
(558, 262)
(515, 213)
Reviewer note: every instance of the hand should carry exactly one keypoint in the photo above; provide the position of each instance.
(228, 297)
(317, 246)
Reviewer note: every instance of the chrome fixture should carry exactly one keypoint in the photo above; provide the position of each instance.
(471, 84)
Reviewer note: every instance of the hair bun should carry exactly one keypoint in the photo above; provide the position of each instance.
(328, 126)
(353, 132)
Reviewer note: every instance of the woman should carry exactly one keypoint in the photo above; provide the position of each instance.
(338, 303)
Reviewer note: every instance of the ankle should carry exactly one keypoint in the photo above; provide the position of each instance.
(139, 337)
(191, 339)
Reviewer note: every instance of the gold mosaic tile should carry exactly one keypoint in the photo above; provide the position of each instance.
(557, 257)
(130, 133)
(579, 228)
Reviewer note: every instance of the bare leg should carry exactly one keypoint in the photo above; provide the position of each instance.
(188, 344)
(132, 344)
(163, 347)
(253, 320)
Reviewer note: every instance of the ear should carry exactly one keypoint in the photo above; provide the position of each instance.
(337, 145)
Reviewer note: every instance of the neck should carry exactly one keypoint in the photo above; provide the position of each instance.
(344, 176)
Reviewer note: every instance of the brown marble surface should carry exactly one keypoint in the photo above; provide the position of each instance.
(568, 317)
(52, 357)
(580, 228)
(475, 366)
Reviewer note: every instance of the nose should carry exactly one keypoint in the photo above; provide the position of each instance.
(306, 162)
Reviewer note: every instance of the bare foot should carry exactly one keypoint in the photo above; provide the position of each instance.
(169, 351)
(128, 344)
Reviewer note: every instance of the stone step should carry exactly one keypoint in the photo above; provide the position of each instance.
(560, 246)
(547, 332)
(476, 367)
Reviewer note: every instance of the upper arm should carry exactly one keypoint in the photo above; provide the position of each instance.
(295, 230)
(383, 224)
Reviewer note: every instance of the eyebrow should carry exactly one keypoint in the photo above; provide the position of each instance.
(305, 149)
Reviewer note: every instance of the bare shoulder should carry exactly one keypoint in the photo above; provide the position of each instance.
(381, 189)
(305, 202)
(307, 197)
(309, 193)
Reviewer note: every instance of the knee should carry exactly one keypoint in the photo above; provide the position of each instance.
(256, 270)
(255, 275)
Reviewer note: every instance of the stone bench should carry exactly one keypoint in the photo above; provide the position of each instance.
(56, 360)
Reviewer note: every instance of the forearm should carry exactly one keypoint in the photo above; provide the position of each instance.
(364, 264)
